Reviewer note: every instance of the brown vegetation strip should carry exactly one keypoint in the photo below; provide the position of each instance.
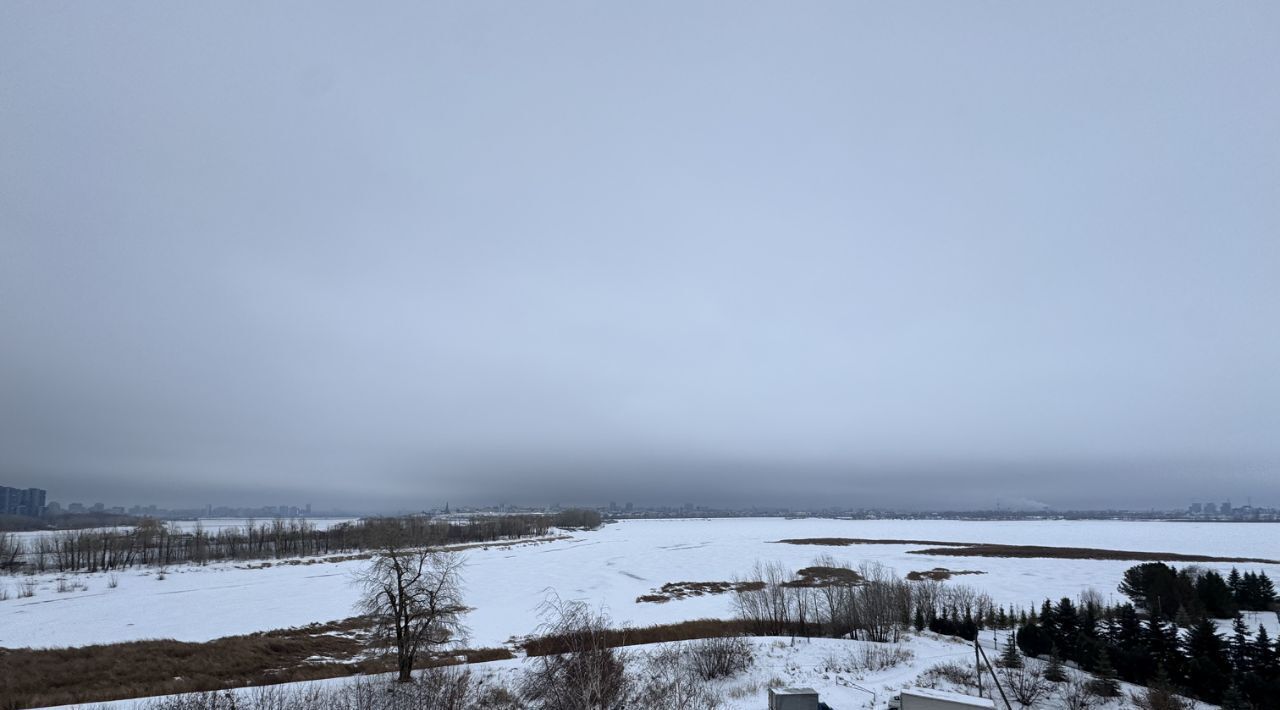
(980, 549)
(845, 541)
(682, 631)
(41, 677)
(939, 574)
(1079, 553)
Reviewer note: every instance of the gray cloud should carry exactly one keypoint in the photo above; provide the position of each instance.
(912, 255)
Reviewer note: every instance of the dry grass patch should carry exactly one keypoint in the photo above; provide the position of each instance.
(846, 541)
(940, 574)
(40, 677)
(986, 549)
(1077, 553)
(660, 633)
(819, 576)
(682, 590)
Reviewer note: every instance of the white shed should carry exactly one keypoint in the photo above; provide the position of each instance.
(930, 699)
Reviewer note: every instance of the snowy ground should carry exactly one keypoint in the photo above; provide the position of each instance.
(608, 567)
(830, 666)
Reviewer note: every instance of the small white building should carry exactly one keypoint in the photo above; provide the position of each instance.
(793, 699)
(930, 699)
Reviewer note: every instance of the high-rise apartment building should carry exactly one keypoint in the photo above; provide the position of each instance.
(22, 501)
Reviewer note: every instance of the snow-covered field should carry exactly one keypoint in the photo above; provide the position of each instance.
(608, 567)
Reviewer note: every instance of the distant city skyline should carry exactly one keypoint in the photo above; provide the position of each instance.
(116, 505)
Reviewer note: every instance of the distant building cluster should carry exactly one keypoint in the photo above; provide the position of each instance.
(31, 502)
(22, 501)
(1226, 511)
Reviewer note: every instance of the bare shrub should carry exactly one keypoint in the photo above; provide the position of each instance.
(1027, 685)
(113, 581)
(27, 589)
(4, 593)
(1159, 696)
(224, 700)
(71, 585)
(433, 689)
(1078, 694)
(720, 657)
(589, 674)
(1090, 598)
(950, 672)
(878, 657)
(669, 680)
(444, 689)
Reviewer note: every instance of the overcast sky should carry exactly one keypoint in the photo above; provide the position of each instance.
(384, 255)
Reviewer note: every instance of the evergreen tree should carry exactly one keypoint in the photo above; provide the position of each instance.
(1161, 641)
(1265, 657)
(919, 620)
(968, 629)
(1240, 647)
(1067, 621)
(1010, 658)
(1235, 583)
(1257, 592)
(1266, 591)
(1110, 624)
(1208, 669)
(1055, 672)
(1033, 640)
(1215, 596)
(1128, 626)
(1248, 595)
(1131, 655)
(1232, 699)
(1161, 693)
(1153, 587)
(1105, 682)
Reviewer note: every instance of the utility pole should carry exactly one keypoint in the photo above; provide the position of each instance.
(977, 651)
(977, 666)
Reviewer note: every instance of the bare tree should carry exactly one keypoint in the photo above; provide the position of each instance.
(414, 597)
(1026, 685)
(1078, 694)
(10, 551)
(584, 671)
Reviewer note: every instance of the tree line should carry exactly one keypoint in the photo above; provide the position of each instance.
(1166, 635)
(152, 543)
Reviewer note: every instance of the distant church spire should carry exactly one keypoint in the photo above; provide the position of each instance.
(446, 507)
